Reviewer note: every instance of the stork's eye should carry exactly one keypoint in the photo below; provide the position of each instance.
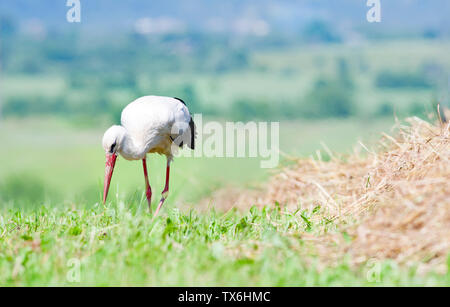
(111, 150)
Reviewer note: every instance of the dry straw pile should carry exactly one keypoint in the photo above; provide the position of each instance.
(393, 202)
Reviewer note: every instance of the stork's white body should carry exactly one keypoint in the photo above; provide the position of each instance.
(149, 125)
(149, 121)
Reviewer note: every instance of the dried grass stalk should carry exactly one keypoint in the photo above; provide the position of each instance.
(398, 198)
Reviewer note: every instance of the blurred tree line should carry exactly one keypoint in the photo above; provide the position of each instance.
(94, 68)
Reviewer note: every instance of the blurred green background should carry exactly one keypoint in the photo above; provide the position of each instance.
(318, 67)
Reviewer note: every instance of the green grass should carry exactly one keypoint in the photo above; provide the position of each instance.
(119, 244)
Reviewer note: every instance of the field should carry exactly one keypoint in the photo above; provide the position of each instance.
(65, 161)
(340, 209)
(360, 196)
(53, 231)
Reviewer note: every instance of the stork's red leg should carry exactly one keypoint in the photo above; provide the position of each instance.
(148, 189)
(165, 192)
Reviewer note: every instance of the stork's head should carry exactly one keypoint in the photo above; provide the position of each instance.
(112, 141)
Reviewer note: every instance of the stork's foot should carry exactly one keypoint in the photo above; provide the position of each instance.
(165, 193)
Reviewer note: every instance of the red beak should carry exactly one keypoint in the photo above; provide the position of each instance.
(109, 168)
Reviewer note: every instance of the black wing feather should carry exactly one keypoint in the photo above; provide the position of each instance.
(180, 100)
(192, 130)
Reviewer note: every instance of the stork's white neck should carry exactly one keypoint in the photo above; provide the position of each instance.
(130, 150)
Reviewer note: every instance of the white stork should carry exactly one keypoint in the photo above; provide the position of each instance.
(150, 124)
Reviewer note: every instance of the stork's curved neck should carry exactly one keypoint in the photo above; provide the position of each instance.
(129, 149)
